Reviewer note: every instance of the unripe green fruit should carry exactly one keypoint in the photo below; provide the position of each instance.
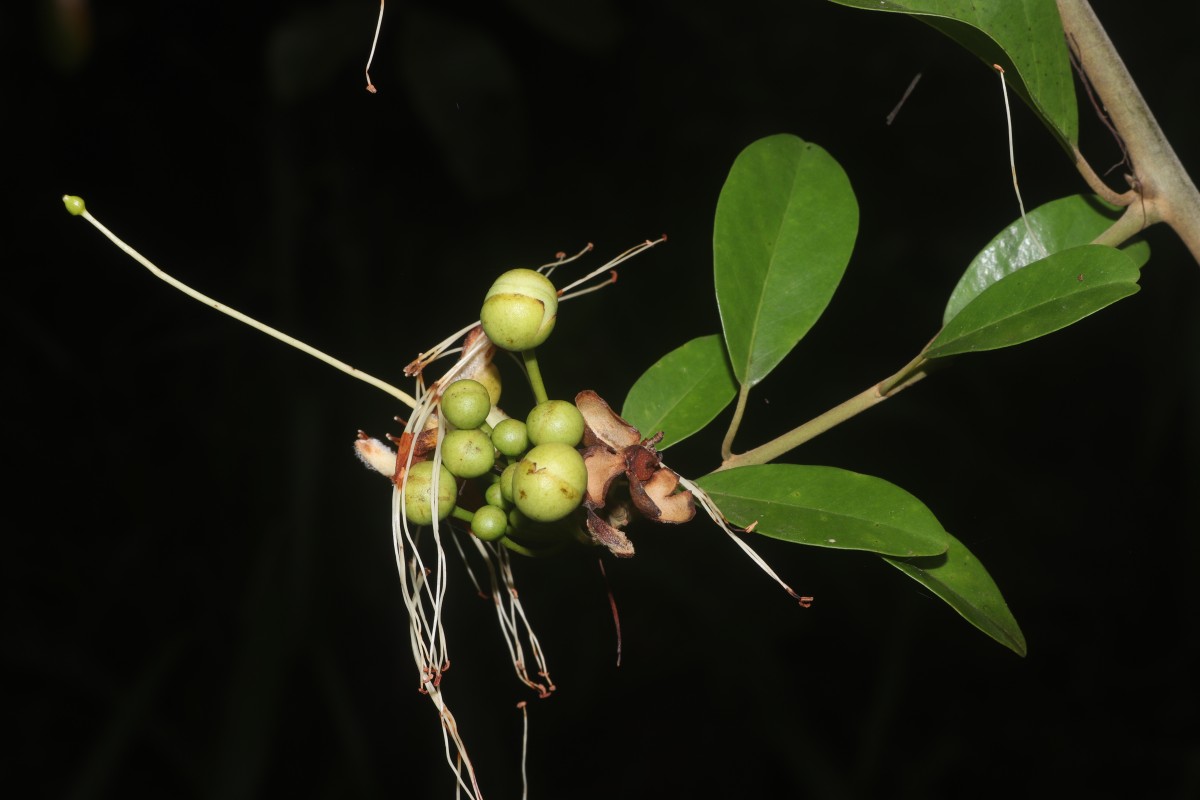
(519, 310)
(466, 403)
(549, 482)
(418, 493)
(555, 421)
(506, 482)
(489, 523)
(510, 437)
(494, 496)
(468, 453)
(489, 376)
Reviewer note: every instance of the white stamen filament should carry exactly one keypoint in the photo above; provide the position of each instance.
(715, 514)
(291, 341)
(1012, 162)
(371, 57)
(563, 258)
(628, 254)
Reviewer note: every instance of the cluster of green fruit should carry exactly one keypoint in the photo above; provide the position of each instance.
(538, 476)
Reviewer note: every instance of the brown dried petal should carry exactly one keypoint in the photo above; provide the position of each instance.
(658, 500)
(603, 466)
(602, 533)
(641, 462)
(603, 426)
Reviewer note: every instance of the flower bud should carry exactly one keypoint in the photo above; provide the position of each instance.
(468, 453)
(489, 523)
(511, 437)
(549, 482)
(555, 421)
(418, 493)
(519, 310)
(466, 403)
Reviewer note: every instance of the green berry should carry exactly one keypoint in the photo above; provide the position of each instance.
(468, 453)
(519, 310)
(510, 437)
(555, 421)
(494, 496)
(418, 491)
(466, 403)
(549, 482)
(506, 482)
(489, 523)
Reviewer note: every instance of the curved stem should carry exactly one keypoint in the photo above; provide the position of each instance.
(912, 372)
(1097, 184)
(529, 358)
(1131, 222)
(735, 423)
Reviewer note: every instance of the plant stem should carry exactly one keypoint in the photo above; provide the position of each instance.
(735, 423)
(529, 357)
(1167, 192)
(912, 372)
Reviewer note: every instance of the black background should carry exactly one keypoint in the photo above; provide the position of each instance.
(201, 597)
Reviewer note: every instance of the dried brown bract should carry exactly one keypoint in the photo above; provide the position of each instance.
(612, 448)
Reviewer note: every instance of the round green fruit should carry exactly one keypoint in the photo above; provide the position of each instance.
(510, 437)
(468, 453)
(519, 310)
(418, 493)
(555, 421)
(466, 403)
(494, 496)
(506, 482)
(489, 523)
(549, 482)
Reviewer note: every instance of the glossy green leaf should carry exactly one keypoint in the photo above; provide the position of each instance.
(1057, 225)
(682, 392)
(1023, 36)
(785, 225)
(826, 507)
(957, 577)
(1045, 296)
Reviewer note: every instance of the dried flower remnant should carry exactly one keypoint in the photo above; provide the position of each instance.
(612, 448)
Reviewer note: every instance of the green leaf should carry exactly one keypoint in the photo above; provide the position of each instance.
(957, 577)
(1045, 296)
(826, 507)
(682, 392)
(1057, 225)
(1023, 36)
(785, 226)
